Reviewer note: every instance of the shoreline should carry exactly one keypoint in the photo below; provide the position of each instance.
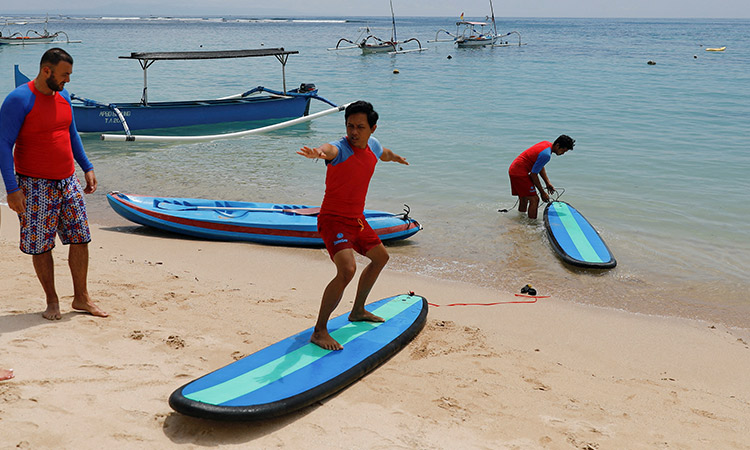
(630, 287)
(546, 375)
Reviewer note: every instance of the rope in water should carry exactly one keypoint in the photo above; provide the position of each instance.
(558, 193)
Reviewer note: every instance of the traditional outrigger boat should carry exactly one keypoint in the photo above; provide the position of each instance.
(246, 221)
(98, 117)
(472, 34)
(370, 43)
(32, 36)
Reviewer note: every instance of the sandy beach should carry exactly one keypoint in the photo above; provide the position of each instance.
(551, 374)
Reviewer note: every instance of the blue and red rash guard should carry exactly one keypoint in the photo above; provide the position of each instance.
(532, 160)
(348, 178)
(44, 133)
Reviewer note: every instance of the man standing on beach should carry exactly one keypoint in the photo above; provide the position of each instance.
(526, 169)
(37, 117)
(350, 164)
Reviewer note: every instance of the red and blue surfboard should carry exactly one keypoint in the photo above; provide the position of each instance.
(266, 223)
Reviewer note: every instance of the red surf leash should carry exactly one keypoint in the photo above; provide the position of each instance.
(524, 294)
(534, 297)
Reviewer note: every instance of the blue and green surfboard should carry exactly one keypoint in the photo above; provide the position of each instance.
(295, 373)
(574, 239)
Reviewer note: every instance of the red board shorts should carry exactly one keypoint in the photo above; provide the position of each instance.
(53, 207)
(522, 186)
(340, 232)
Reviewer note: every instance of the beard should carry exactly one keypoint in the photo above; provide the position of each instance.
(53, 84)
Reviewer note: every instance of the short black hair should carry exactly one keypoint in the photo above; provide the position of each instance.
(54, 55)
(565, 141)
(361, 106)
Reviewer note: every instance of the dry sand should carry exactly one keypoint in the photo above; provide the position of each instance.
(553, 374)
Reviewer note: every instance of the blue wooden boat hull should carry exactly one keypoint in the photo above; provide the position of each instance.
(265, 223)
(92, 117)
(99, 119)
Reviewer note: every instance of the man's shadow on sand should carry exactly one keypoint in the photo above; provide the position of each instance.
(12, 321)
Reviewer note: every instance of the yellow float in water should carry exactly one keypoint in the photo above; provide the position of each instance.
(719, 49)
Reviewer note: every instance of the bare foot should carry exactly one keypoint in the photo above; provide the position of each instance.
(364, 316)
(52, 312)
(6, 374)
(89, 307)
(324, 340)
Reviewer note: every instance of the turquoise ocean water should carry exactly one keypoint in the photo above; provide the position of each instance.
(659, 167)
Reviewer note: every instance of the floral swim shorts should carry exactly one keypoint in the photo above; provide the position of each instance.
(53, 207)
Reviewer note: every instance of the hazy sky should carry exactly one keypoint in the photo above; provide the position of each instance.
(444, 8)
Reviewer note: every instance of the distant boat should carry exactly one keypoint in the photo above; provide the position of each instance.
(31, 36)
(99, 117)
(370, 43)
(717, 49)
(472, 34)
(267, 223)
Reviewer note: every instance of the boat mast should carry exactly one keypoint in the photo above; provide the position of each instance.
(492, 10)
(393, 20)
(145, 64)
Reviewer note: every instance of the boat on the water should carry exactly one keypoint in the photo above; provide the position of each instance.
(256, 104)
(369, 43)
(267, 223)
(474, 34)
(8, 37)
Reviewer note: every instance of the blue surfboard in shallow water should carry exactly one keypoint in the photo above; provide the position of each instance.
(574, 239)
(295, 373)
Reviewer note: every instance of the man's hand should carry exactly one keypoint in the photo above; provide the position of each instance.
(17, 202)
(545, 197)
(312, 153)
(388, 155)
(90, 182)
(399, 159)
(550, 189)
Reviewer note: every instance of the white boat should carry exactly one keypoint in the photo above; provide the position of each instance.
(31, 36)
(471, 37)
(369, 43)
(472, 34)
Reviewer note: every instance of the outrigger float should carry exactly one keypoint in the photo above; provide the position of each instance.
(467, 34)
(92, 116)
(33, 36)
(370, 43)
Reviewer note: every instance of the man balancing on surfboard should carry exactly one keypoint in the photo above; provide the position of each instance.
(526, 169)
(350, 163)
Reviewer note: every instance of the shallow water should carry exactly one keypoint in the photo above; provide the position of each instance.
(659, 166)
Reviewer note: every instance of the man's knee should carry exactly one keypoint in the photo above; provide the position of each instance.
(379, 255)
(346, 266)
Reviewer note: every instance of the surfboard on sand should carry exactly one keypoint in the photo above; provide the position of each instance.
(294, 373)
(574, 239)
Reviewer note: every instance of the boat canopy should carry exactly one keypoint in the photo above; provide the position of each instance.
(146, 59)
(464, 22)
(207, 54)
